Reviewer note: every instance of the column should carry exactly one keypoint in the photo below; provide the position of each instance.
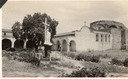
(61, 47)
(13, 41)
(68, 47)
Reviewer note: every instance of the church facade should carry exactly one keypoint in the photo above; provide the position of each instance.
(101, 35)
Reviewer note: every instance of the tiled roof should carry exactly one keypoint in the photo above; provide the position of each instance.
(7, 30)
(65, 34)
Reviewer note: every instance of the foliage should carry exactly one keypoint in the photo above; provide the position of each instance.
(26, 57)
(80, 57)
(16, 30)
(125, 62)
(95, 59)
(32, 28)
(84, 72)
(116, 62)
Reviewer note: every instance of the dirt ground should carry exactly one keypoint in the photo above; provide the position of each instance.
(14, 68)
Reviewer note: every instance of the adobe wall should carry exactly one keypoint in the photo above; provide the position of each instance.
(83, 39)
(86, 40)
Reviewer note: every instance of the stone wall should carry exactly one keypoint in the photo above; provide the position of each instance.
(116, 38)
(126, 39)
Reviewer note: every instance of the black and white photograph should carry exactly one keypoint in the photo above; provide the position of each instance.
(64, 39)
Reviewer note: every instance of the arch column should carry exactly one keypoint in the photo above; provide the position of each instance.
(68, 47)
(61, 46)
(13, 41)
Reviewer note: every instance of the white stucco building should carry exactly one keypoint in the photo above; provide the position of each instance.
(101, 35)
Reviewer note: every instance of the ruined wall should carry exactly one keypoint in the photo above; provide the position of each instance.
(116, 38)
(126, 39)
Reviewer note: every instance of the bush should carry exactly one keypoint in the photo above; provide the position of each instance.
(79, 57)
(84, 72)
(125, 62)
(26, 57)
(11, 49)
(95, 59)
(87, 58)
(116, 61)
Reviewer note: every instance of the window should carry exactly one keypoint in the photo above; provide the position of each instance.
(101, 37)
(4, 33)
(97, 37)
(109, 38)
(106, 38)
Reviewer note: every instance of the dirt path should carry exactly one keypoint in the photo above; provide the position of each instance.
(71, 63)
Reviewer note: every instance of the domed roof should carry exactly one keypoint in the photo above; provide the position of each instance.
(106, 25)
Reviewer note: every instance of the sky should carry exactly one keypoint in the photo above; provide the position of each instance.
(71, 15)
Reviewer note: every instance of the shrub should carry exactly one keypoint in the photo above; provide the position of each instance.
(25, 57)
(116, 61)
(79, 57)
(11, 49)
(125, 62)
(87, 58)
(95, 59)
(84, 72)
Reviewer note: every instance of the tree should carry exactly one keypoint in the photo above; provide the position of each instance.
(33, 28)
(16, 30)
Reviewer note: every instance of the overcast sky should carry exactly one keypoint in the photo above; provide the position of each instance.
(70, 14)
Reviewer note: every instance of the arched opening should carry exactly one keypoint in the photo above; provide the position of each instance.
(19, 44)
(30, 44)
(58, 47)
(72, 46)
(6, 43)
(64, 45)
(112, 26)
